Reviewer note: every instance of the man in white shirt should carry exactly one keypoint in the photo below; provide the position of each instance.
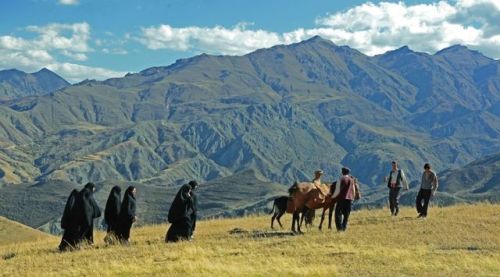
(395, 182)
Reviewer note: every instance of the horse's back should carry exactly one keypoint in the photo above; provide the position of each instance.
(305, 187)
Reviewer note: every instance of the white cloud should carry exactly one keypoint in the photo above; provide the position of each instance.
(375, 28)
(115, 51)
(370, 28)
(75, 72)
(67, 40)
(52, 36)
(68, 2)
(237, 40)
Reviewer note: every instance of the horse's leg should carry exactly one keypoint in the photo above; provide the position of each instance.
(322, 218)
(294, 218)
(304, 211)
(330, 213)
(272, 220)
(278, 218)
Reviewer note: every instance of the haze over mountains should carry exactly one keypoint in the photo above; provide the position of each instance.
(270, 117)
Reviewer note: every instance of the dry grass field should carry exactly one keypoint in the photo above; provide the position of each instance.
(454, 241)
(12, 233)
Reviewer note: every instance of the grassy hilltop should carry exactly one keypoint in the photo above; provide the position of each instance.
(12, 232)
(451, 242)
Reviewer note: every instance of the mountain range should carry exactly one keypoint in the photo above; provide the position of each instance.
(16, 84)
(265, 119)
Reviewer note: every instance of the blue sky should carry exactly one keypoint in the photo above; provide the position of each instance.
(99, 39)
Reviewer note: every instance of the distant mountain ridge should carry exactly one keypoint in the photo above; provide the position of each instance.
(16, 84)
(280, 113)
(479, 180)
(350, 96)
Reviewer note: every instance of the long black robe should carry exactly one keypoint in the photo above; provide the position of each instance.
(112, 210)
(180, 216)
(194, 215)
(88, 210)
(127, 215)
(69, 223)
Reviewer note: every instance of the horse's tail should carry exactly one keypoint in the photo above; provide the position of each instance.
(274, 206)
(310, 216)
(293, 189)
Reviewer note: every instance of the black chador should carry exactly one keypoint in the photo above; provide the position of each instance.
(87, 212)
(179, 216)
(112, 211)
(194, 215)
(127, 214)
(69, 223)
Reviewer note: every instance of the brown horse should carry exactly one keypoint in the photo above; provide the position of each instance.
(284, 204)
(306, 196)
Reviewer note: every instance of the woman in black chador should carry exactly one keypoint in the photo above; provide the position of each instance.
(127, 214)
(69, 224)
(194, 197)
(87, 210)
(112, 212)
(180, 216)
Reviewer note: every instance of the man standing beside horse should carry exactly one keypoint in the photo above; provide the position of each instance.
(344, 200)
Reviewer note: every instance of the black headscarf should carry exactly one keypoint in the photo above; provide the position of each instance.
(128, 208)
(113, 205)
(68, 214)
(182, 205)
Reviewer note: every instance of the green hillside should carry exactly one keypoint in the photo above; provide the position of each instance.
(280, 113)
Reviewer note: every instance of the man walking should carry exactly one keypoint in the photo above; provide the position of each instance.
(395, 182)
(428, 187)
(344, 200)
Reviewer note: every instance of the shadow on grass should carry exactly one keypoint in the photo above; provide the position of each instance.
(337, 254)
(260, 233)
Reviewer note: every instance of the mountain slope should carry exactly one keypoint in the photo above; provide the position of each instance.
(344, 101)
(477, 180)
(16, 84)
(12, 232)
(280, 113)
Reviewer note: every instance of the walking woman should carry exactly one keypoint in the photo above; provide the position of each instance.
(127, 214)
(86, 211)
(428, 188)
(111, 213)
(179, 215)
(69, 224)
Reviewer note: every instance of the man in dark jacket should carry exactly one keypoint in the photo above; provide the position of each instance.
(344, 200)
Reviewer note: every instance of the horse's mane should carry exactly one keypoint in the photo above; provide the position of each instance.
(293, 189)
